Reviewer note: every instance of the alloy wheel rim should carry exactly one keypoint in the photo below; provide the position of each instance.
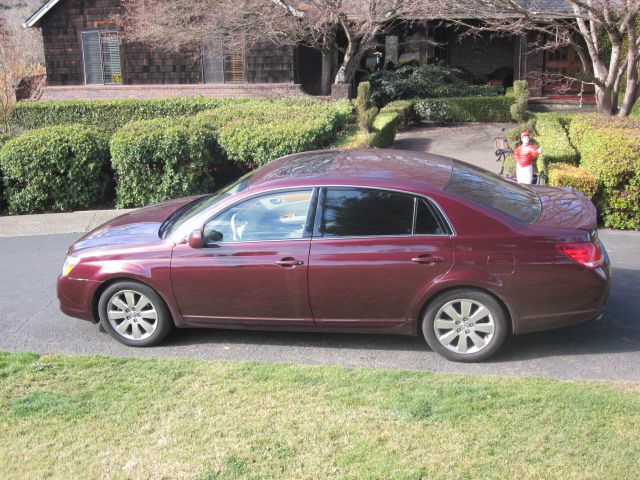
(132, 315)
(464, 326)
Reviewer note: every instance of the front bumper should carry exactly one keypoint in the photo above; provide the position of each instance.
(76, 297)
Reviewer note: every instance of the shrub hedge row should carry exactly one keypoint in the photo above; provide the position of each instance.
(67, 166)
(404, 109)
(108, 114)
(464, 109)
(568, 175)
(55, 168)
(610, 150)
(553, 138)
(256, 133)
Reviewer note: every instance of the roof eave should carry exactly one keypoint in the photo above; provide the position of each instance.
(34, 20)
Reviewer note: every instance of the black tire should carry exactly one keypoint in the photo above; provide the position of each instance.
(142, 319)
(495, 318)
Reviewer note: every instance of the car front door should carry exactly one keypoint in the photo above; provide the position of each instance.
(253, 268)
(373, 252)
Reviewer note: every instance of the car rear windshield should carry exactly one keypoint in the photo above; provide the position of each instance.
(493, 191)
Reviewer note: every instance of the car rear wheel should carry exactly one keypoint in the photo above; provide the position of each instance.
(134, 314)
(465, 325)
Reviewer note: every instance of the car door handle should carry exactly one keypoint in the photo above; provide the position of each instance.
(427, 259)
(289, 262)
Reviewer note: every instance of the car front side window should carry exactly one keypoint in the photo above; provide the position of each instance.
(276, 216)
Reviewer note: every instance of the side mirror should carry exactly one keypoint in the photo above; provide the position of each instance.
(195, 239)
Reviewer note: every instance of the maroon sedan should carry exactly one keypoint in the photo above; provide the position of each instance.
(376, 241)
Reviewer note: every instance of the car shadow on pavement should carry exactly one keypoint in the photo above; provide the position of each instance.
(617, 332)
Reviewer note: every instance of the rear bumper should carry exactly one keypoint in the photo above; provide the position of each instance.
(75, 297)
(593, 285)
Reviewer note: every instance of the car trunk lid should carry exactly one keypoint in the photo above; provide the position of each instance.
(565, 208)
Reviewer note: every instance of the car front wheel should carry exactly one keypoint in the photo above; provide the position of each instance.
(134, 314)
(465, 325)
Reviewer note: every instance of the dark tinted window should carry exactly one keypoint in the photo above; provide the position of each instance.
(361, 212)
(494, 191)
(426, 223)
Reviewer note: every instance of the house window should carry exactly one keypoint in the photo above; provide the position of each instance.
(101, 56)
(223, 62)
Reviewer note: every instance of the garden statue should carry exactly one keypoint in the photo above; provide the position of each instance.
(524, 155)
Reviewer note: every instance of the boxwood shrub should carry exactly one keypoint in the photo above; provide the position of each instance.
(253, 134)
(567, 175)
(57, 168)
(464, 109)
(154, 160)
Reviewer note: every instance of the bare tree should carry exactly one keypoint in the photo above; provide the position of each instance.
(174, 24)
(604, 33)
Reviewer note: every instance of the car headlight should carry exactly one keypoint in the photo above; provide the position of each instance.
(69, 265)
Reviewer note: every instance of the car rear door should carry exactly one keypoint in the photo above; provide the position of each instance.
(372, 254)
(255, 271)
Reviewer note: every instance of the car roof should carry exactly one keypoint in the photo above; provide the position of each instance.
(358, 166)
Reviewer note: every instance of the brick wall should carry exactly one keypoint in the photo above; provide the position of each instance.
(120, 92)
(61, 31)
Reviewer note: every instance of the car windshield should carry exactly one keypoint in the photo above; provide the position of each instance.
(191, 210)
(493, 191)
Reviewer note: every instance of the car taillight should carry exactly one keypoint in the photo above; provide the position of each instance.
(585, 253)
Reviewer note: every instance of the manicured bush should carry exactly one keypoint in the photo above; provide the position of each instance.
(4, 138)
(567, 175)
(160, 159)
(427, 81)
(384, 130)
(404, 108)
(554, 140)
(620, 208)
(521, 101)
(256, 133)
(464, 109)
(57, 168)
(366, 111)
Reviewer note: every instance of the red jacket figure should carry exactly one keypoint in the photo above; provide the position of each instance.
(524, 155)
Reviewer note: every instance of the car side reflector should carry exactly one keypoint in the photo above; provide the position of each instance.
(585, 253)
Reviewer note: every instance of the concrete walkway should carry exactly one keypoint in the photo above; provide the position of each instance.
(471, 142)
(51, 223)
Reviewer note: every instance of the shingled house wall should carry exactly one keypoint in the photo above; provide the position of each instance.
(62, 28)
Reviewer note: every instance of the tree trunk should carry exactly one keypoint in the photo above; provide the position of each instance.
(356, 49)
(327, 65)
(603, 100)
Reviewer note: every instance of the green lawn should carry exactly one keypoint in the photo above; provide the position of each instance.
(95, 417)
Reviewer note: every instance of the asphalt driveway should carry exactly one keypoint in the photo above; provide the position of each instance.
(610, 349)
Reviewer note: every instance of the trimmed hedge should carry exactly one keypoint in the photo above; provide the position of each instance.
(567, 175)
(384, 130)
(464, 109)
(553, 139)
(57, 168)
(109, 114)
(155, 160)
(404, 109)
(256, 133)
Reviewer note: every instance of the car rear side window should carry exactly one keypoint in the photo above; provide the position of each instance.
(426, 222)
(493, 191)
(363, 212)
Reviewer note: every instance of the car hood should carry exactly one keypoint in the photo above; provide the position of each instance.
(564, 207)
(133, 228)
